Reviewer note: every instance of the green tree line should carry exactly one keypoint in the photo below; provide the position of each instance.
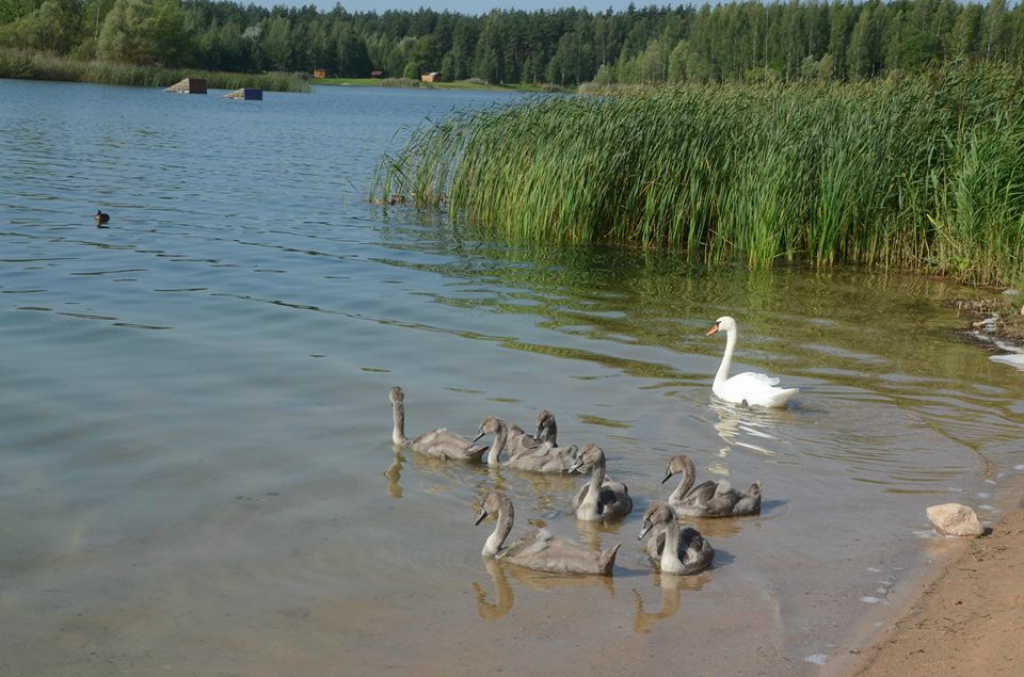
(686, 43)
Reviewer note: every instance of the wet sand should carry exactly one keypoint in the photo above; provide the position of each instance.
(967, 618)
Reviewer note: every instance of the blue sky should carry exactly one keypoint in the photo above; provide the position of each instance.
(470, 7)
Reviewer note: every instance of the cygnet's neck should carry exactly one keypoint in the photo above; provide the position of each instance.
(500, 437)
(398, 434)
(685, 483)
(597, 475)
(506, 515)
(670, 561)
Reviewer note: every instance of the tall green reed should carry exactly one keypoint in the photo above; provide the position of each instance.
(922, 173)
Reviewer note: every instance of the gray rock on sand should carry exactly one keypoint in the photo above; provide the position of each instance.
(954, 519)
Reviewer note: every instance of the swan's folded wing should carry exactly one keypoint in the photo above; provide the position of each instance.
(690, 539)
(755, 390)
(442, 437)
(562, 557)
(530, 545)
(542, 459)
(519, 441)
(614, 501)
(656, 542)
(702, 493)
(443, 443)
(723, 487)
(756, 379)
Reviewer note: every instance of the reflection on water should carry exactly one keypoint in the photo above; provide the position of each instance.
(194, 408)
(503, 594)
(543, 492)
(751, 428)
(671, 589)
(536, 581)
(394, 476)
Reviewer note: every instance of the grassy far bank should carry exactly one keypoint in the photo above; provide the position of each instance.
(469, 85)
(30, 65)
(922, 172)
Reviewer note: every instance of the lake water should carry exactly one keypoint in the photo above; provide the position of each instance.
(196, 468)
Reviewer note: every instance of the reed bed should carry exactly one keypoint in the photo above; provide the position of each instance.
(29, 65)
(924, 173)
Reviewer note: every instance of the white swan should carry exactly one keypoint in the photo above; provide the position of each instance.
(749, 388)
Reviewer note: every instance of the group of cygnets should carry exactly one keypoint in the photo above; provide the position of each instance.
(674, 548)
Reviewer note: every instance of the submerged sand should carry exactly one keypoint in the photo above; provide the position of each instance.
(969, 619)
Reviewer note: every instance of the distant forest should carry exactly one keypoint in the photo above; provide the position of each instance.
(739, 41)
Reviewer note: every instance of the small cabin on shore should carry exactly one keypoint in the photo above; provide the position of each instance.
(319, 73)
(432, 76)
(189, 86)
(377, 74)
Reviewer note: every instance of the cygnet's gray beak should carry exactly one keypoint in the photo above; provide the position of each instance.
(577, 463)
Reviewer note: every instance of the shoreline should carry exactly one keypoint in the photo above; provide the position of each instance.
(962, 616)
(963, 613)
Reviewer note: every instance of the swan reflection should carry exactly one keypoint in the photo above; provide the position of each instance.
(394, 476)
(671, 588)
(736, 425)
(549, 490)
(504, 594)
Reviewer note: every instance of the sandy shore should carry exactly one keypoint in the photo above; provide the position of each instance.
(967, 616)
(969, 619)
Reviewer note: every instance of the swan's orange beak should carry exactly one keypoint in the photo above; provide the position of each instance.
(713, 330)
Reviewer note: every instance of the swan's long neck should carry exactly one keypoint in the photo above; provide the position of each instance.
(670, 561)
(548, 433)
(494, 453)
(597, 475)
(398, 434)
(685, 483)
(730, 345)
(501, 530)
